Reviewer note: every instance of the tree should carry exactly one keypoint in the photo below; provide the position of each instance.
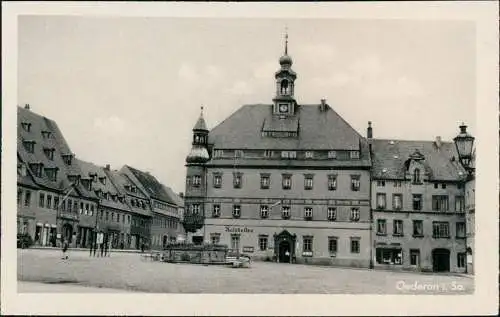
(192, 222)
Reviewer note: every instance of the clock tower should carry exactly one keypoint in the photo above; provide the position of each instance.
(284, 102)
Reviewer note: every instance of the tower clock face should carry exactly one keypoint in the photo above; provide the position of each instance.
(283, 108)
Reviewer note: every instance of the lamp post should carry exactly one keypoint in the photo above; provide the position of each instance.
(464, 143)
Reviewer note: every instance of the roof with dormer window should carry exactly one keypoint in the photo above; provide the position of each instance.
(391, 158)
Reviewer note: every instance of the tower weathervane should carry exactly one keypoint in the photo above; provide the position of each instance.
(286, 40)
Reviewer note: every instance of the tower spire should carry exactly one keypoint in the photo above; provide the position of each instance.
(286, 40)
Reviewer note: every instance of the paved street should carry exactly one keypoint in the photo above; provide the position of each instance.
(127, 271)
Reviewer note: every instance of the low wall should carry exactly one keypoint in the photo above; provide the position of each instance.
(196, 254)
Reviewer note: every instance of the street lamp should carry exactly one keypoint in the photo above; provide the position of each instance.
(464, 143)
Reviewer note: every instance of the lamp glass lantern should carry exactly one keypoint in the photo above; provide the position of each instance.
(464, 143)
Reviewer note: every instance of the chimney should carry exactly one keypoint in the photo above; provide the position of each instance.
(322, 107)
(369, 131)
(438, 142)
(107, 167)
(27, 106)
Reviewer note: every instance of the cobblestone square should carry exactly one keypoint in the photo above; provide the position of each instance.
(127, 271)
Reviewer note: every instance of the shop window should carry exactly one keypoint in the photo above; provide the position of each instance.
(389, 256)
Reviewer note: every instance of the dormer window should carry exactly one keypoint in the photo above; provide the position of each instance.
(332, 154)
(67, 158)
(26, 126)
(309, 154)
(416, 176)
(354, 154)
(51, 173)
(288, 154)
(22, 170)
(46, 134)
(102, 179)
(75, 179)
(49, 153)
(36, 168)
(238, 153)
(218, 153)
(29, 146)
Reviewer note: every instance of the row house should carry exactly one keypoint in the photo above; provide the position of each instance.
(55, 202)
(165, 216)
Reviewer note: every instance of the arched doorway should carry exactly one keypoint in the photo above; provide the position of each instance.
(441, 260)
(284, 247)
(67, 232)
(284, 252)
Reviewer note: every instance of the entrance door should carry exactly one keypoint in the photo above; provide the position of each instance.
(441, 260)
(284, 252)
(67, 232)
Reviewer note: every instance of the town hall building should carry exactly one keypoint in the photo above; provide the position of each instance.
(285, 181)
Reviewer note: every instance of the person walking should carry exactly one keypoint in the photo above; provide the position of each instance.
(91, 244)
(65, 249)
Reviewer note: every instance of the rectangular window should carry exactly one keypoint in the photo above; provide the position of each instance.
(355, 242)
(461, 257)
(238, 153)
(332, 245)
(459, 204)
(440, 202)
(288, 154)
(397, 183)
(354, 154)
(218, 153)
(389, 256)
(397, 201)
(107, 215)
(27, 198)
(196, 180)
(216, 211)
(309, 155)
(41, 202)
(460, 230)
(355, 182)
(235, 242)
(381, 183)
(355, 214)
(332, 182)
(397, 227)
(236, 211)
(381, 201)
(264, 181)
(19, 195)
(75, 206)
(308, 213)
(381, 227)
(418, 228)
(49, 202)
(417, 202)
(332, 154)
(87, 209)
(440, 229)
(81, 208)
(215, 238)
(332, 213)
(262, 243)
(56, 202)
(217, 180)
(307, 244)
(112, 216)
(308, 182)
(285, 212)
(237, 180)
(287, 181)
(264, 211)
(70, 205)
(268, 153)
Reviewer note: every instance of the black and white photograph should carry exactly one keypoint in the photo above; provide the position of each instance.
(171, 153)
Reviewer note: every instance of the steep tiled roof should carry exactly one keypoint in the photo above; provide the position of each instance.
(320, 130)
(151, 185)
(178, 201)
(88, 169)
(119, 181)
(46, 135)
(389, 157)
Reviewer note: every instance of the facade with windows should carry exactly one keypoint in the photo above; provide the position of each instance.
(55, 200)
(165, 215)
(418, 205)
(284, 182)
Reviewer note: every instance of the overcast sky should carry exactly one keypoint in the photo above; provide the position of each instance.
(129, 90)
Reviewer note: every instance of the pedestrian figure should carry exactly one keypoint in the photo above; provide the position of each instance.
(64, 249)
(91, 246)
(95, 248)
(102, 249)
(142, 247)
